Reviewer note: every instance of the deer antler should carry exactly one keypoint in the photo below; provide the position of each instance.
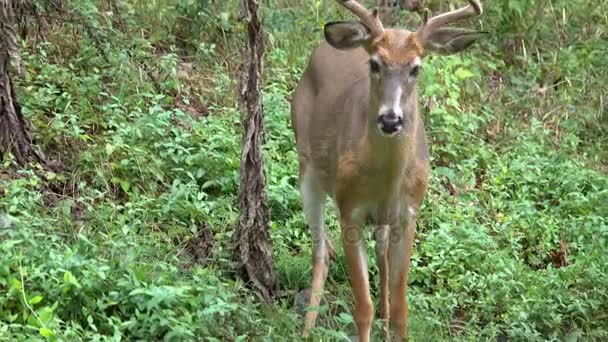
(434, 23)
(369, 18)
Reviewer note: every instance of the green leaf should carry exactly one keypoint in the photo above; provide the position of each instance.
(69, 279)
(16, 284)
(109, 149)
(45, 332)
(462, 73)
(35, 300)
(346, 318)
(446, 171)
(126, 186)
(11, 318)
(45, 315)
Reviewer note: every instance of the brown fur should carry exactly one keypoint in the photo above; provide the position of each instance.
(396, 50)
(367, 174)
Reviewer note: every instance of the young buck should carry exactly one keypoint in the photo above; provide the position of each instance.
(361, 141)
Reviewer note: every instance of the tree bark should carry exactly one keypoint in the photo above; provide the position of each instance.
(14, 135)
(252, 235)
(389, 9)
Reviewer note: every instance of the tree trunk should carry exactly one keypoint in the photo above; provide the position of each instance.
(14, 137)
(388, 11)
(252, 236)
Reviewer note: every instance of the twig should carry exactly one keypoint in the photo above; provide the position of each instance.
(25, 301)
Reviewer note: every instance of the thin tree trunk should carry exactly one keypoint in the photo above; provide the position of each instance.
(388, 11)
(412, 5)
(324, 8)
(252, 234)
(14, 136)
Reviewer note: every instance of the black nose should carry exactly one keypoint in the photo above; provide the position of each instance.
(390, 122)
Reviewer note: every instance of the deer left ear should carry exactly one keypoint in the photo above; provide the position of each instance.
(451, 40)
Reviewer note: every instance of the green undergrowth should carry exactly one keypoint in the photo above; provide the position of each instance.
(140, 114)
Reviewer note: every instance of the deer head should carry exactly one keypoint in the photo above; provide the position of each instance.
(396, 56)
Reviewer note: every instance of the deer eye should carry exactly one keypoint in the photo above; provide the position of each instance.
(374, 66)
(415, 71)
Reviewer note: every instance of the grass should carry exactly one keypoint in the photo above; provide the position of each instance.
(143, 119)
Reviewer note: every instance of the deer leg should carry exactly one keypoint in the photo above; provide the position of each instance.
(381, 236)
(313, 200)
(356, 261)
(401, 242)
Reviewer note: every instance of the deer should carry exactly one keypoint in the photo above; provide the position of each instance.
(361, 141)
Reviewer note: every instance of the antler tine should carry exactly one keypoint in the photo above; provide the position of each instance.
(430, 25)
(368, 18)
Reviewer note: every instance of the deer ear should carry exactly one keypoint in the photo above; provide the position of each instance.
(451, 40)
(345, 35)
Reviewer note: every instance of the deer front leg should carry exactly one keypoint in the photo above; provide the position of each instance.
(381, 234)
(356, 261)
(401, 242)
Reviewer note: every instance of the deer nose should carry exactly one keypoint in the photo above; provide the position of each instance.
(390, 122)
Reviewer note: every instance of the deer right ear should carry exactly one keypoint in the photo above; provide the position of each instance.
(345, 35)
